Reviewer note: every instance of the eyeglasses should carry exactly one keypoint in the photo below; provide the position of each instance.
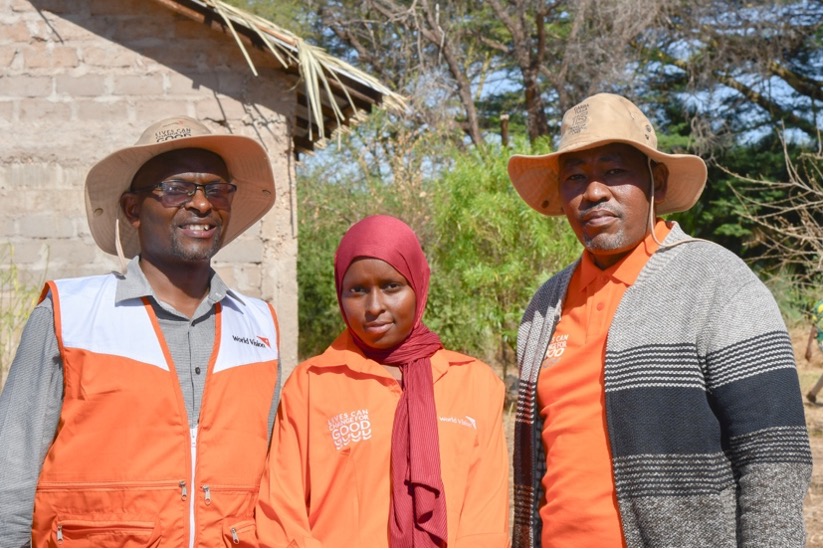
(175, 193)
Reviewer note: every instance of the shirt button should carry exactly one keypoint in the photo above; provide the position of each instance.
(197, 370)
(600, 306)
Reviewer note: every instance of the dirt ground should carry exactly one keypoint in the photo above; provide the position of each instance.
(809, 372)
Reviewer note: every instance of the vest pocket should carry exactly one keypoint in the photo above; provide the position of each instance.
(226, 513)
(247, 494)
(239, 533)
(80, 533)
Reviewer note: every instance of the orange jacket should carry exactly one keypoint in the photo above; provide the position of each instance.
(327, 482)
(124, 469)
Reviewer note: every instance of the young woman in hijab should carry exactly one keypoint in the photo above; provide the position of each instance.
(386, 439)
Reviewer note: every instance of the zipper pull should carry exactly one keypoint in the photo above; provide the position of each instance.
(60, 533)
(235, 538)
(207, 496)
(182, 485)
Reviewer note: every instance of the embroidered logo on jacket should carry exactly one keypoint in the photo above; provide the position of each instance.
(258, 341)
(350, 427)
(467, 421)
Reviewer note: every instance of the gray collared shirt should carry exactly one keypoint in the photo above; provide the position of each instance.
(190, 341)
(32, 398)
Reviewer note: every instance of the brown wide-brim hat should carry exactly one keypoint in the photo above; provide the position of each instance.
(599, 120)
(245, 158)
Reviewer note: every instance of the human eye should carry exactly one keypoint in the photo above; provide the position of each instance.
(616, 173)
(355, 290)
(176, 188)
(393, 286)
(219, 189)
(571, 180)
(570, 173)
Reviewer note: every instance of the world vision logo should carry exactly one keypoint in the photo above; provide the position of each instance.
(350, 427)
(258, 341)
(555, 350)
(467, 421)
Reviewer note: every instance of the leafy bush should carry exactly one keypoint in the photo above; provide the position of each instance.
(490, 253)
(17, 299)
(487, 249)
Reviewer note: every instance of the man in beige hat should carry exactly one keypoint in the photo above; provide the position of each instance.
(658, 398)
(139, 406)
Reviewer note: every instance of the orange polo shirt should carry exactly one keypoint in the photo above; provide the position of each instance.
(327, 480)
(581, 509)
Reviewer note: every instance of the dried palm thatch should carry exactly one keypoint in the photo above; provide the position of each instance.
(335, 93)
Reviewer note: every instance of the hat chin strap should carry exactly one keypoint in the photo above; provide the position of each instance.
(124, 263)
(651, 215)
(651, 219)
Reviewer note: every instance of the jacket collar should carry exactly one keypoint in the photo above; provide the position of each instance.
(343, 352)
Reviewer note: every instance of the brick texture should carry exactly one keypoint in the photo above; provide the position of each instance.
(46, 56)
(7, 55)
(93, 85)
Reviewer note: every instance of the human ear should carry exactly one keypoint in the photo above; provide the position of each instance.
(660, 176)
(130, 205)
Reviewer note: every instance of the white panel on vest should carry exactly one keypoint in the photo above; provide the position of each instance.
(91, 320)
(248, 334)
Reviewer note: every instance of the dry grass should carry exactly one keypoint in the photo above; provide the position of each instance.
(18, 296)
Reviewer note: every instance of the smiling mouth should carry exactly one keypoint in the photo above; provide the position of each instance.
(198, 230)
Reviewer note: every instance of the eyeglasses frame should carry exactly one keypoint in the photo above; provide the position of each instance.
(204, 187)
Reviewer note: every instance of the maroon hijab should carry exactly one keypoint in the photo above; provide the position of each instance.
(418, 511)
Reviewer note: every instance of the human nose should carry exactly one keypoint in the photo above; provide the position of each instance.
(595, 191)
(198, 200)
(373, 303)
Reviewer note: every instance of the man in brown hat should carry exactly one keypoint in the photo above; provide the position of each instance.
(658, 399)
(139, 406)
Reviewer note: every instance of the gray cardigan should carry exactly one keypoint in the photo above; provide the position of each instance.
(704, 412)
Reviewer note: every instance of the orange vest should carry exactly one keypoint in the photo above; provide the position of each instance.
(124, 468)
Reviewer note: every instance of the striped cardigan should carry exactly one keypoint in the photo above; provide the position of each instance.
(704, 412)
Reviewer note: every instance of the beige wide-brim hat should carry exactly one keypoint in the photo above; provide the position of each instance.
(599, 120)
(245, 158)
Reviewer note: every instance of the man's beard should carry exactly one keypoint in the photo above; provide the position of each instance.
(197, 254)
(606, 243)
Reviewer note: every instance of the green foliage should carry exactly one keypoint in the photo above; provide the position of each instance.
(742, 67)
(318, 317)
(17, 298)
(490, 255)
(382, 168)
(692, 66)
(719, 216)
(488, 251)
(795, 300)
